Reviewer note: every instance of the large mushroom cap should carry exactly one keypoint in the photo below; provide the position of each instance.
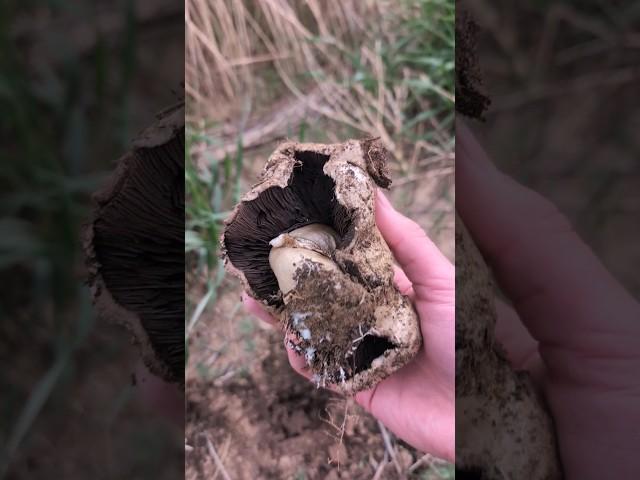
(134, 244)
(351, 323)
(300, 196)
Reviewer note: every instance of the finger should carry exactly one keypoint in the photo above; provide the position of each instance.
(521, 348)
(542, 265)
(424, 265)
(428, 428)
(433, 282)
(296, 360)
(402, 282)
(254, 307)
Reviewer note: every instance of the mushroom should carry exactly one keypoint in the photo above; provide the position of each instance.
(134, 245)
(315, 243)
(305, 244)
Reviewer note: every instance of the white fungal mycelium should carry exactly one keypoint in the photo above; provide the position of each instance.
(309, 354)
(298, 317)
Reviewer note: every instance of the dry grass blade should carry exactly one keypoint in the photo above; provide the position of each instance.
(292, 112)
(390, 449)
(337, 59)
(216, 459)
(340, 429)
(380, 470)
(426, 459)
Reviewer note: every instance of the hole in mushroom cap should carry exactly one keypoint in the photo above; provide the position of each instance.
(308, 198)
(370, 348)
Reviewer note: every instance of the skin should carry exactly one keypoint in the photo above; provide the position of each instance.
(417, 402)
(571, 324)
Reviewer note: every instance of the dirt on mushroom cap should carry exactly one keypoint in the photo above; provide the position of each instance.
(470, 100)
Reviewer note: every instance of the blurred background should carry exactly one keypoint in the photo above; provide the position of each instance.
(78, 80)
(258, 73)
(565, 114)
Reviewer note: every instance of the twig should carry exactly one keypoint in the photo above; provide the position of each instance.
(216, 459)
(339, 437)
(380, 469)
(387, 444)
(224, 450)
(219, 381)
(278, 123)
(426, 459)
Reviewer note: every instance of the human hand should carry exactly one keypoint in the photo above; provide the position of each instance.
(417, 401)
(573, 326)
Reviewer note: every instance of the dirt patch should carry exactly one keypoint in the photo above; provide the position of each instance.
(263, 420)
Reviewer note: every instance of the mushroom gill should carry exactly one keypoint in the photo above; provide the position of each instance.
(134, 245)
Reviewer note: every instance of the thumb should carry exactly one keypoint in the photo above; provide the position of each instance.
(426, 267)
(558, 286)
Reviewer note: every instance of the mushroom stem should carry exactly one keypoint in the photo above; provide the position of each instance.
(311, 243)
